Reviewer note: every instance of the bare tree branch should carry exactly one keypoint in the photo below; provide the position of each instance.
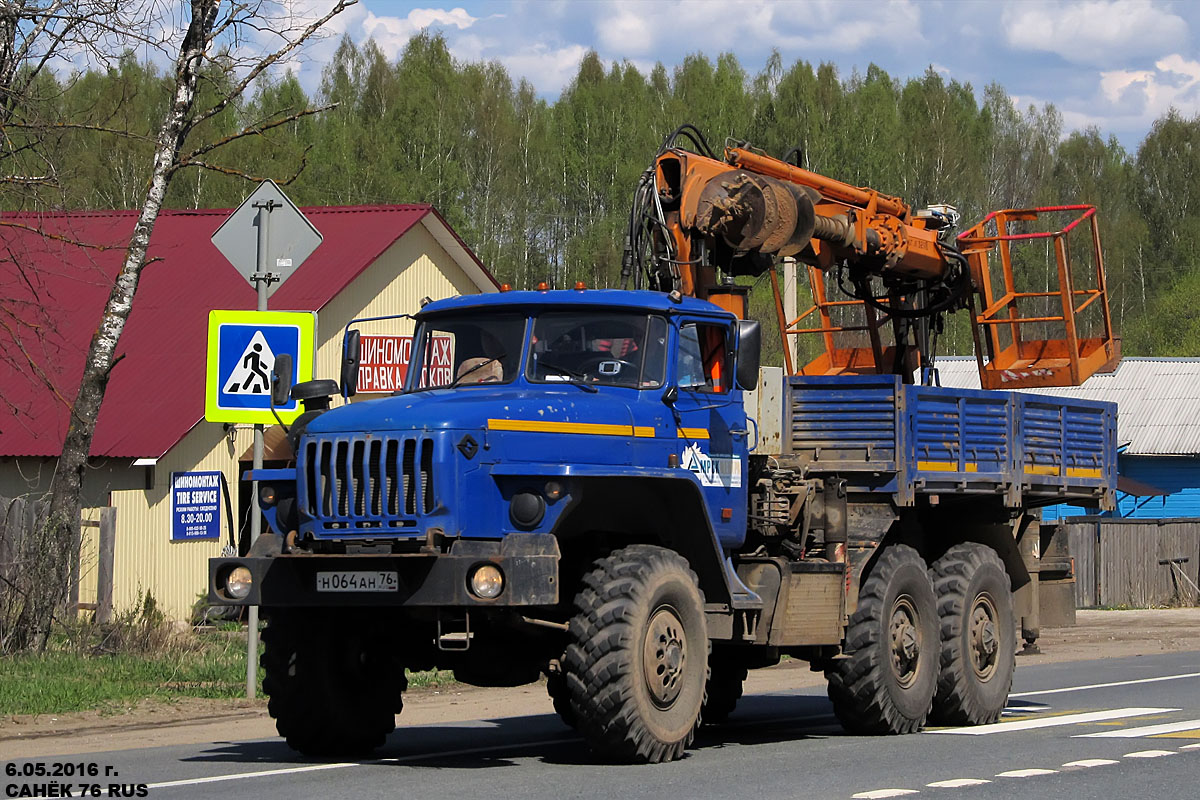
(252, 130)
(272, 59)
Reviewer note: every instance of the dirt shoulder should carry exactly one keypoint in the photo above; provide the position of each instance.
(1098, 634)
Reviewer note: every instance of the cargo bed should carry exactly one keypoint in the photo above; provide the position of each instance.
(884, 436)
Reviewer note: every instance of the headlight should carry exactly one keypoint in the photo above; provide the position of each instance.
(267, 495)
(239, 582)
(487, 581)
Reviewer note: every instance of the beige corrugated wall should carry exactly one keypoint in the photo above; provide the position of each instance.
(177, 572)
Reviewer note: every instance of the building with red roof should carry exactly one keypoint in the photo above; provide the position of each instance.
(56, 272)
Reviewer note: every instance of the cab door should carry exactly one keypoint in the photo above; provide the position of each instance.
(711, 422)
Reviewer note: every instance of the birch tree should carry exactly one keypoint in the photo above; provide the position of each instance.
(197, 33)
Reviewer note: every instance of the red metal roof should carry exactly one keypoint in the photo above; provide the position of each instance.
(52, 294)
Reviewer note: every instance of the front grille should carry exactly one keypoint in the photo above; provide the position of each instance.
(356, 478)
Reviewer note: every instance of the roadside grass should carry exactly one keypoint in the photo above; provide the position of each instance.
(63, 679)
(212, 666)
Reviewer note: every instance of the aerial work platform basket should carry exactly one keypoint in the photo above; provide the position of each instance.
(1036, 320)
(1075, 339)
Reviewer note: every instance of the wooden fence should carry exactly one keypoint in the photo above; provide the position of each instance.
(1135, 562)
(94, 550)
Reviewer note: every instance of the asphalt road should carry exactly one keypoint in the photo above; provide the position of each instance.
(1095, 729)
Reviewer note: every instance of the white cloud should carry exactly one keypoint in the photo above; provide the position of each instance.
(1173, 83)
(548, 68)
(392, 33)
(1096, 32)
(628, 29)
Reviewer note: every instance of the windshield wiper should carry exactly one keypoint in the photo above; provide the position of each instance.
(475, 368)
(577, 378)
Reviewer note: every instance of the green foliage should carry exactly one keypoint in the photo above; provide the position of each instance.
(541, 190)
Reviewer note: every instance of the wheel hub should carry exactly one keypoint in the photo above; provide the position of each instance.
(905, 641)
(664, 656)
(984, 643)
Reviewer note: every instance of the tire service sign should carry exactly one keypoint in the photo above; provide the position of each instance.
(195, 506)
(383, 362)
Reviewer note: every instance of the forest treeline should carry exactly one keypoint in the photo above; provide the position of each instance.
(541, 190)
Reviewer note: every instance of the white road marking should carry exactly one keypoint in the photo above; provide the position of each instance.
(1051, 722)
(1106, 685)
(1150, 754)
(1085, 763)
(879, 793)
(1026, 773)
(1020, 711)
(955, 783)
(1191, 746)
(396, 760)
(264, 774)
(1145, 730)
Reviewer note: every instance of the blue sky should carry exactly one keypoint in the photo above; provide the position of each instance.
(1115, 64)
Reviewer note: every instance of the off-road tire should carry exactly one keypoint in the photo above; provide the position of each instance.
(333, 689)
(978, 635)
(560, 696)
(637, 659)
(726, 676)
(885, 684)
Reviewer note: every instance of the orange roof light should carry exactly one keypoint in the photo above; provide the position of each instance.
(505, 287)
(543, 286)
(580, 286)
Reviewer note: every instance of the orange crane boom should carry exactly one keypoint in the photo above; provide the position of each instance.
(699, 221)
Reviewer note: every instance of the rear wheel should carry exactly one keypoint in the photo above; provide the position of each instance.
(978, 636)
(333, 689)
(885, 684)
(637, 660)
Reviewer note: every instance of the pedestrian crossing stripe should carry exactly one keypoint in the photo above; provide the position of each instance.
(242, 349)
(1051, 721)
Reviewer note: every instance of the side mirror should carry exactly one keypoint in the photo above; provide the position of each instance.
(281, 379)
(749, 353)
(350, 357)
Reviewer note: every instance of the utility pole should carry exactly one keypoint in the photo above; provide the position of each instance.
(261, 279)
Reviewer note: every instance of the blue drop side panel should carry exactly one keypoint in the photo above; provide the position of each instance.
(845, 422)
(968, 429)
(944, 440)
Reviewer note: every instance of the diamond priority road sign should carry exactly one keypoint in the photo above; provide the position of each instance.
(242, 348)
(290, 238)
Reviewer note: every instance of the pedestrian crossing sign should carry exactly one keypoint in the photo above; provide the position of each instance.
(242, 348)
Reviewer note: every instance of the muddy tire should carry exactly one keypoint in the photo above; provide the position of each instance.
(978, 636)
(333, 691)
(726, 676)
(560, 696)
(886, 682)
(637, 660)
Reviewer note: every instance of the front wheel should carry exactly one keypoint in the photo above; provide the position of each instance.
(978, 636)
(637, 661)
(334, 689)
(885, 684)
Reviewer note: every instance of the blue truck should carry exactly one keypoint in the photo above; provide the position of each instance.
(605, 487)
(608, 493)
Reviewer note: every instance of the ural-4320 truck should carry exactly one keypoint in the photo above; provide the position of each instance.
(607, 490)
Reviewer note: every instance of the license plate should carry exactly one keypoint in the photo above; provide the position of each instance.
(358, 581)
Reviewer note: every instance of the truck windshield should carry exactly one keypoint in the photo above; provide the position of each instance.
(602, 348)
(468, 350)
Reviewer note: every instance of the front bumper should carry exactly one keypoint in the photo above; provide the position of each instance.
(529, 562)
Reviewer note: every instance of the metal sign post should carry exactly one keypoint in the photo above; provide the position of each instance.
(296, 239)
